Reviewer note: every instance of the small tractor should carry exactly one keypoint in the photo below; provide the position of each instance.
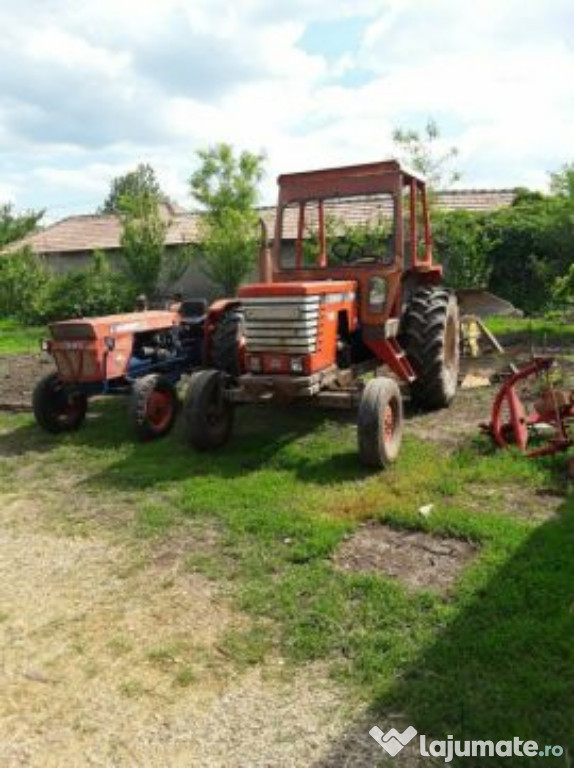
(333, 305)
(143, 354)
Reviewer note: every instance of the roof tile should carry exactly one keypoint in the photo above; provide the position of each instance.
(90, 232)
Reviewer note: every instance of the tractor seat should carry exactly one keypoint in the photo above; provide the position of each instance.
(193, 311)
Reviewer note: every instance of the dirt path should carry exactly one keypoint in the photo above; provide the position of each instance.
(108, 660)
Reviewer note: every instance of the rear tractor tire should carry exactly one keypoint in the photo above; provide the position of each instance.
(208, 415)
(227, 341)
(431, 338)
(56, 409)
(153, 406)
(380, 423)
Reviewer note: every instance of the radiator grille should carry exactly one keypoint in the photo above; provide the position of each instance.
(282, 324)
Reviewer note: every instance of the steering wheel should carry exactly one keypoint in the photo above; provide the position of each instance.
(347, 251)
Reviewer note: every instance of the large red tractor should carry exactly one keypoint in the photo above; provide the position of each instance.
(334, 305)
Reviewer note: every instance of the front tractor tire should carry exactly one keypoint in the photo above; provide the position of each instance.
(431, 338)
(153, 406)
(208, 416)
(227, 341)
(380, 423)
(57, 409)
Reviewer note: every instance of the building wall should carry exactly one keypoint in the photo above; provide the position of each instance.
(193, 282)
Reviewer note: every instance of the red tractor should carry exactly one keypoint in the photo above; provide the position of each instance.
(141, 354)
(333, 305)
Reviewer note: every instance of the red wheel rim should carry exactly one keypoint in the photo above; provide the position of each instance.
(72, 408)
(388, 424)
(159, 409)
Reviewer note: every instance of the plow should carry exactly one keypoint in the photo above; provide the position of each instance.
(532, 413)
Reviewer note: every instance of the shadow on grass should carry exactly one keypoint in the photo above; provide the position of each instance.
(503, 668)
(272, 437)
(106, 427)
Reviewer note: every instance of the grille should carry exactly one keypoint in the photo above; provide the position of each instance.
(283, 324)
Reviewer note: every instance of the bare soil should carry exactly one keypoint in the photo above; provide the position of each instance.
(418, 559)
(18, 377)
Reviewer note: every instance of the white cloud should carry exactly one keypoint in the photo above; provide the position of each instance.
(87, 90)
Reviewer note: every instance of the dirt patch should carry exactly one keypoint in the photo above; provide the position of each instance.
(453, 427)
(112, 657)
(18, 377)
(416, 558)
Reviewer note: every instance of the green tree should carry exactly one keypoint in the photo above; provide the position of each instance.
(463, 245)
(139, 183)
(532, 249)
(24, 284)
(562, 182)
(150, 267)
(226, 186)
(14, 226)
(421, 150)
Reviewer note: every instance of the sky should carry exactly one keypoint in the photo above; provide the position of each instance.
(90, 89)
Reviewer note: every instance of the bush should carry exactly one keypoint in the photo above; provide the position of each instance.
(463, 246)
(98, 290)
(31, 294)
(24, 283)
(533, 246)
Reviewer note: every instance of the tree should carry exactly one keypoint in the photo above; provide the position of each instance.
(421, 150)
(15, 226)
(24, 283)
(141, 182)
(226, 186)
(562, 182)
(464, 247)
(150, 266)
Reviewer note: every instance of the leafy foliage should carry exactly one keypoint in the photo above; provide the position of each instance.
(23, 285)
(148, 264)
(562, 181)
(141, 182)
(97, 290)
(347, 243)
(533, 246)
(30, 293)
(226, 186)
(14, 226)
(463, 245)
(423, 152)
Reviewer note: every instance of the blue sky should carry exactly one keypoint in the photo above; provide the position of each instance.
(88, 90)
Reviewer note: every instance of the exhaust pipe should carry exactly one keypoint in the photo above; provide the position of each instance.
(265, 261)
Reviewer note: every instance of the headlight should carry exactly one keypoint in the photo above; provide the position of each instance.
(296, 365)
(377, 292)
(110, 342)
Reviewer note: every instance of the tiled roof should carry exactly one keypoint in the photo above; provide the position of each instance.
(91, 232)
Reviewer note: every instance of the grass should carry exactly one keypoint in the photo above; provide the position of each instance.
(494, 658)
(541, 331)
(16, 339)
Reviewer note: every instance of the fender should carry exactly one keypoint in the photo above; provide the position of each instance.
(214, 314)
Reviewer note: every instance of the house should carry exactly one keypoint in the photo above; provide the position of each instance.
(70, 243)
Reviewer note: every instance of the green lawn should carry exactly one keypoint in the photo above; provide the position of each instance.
(16, 339)
(492, 660)
(541, 331)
